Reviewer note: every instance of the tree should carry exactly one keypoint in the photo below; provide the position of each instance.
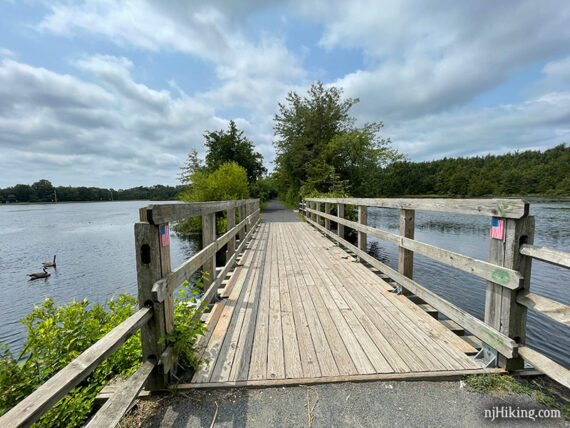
(233, 146)
(228, 182)
(314, 134)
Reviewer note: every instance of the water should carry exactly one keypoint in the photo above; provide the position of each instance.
(469, 235)
(94, 244)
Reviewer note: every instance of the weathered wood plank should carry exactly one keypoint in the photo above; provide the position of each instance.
(548, 255)
(502, 311)
(110, 414)
(497, 340)
(41, 400)
(324, 355)
(363, 220)
(405, 256)
(502, 276)
(339, 213)
(275, 351)
(551, 369)
(433, 375)
(551, 308)
(165, 213)
(508, 208)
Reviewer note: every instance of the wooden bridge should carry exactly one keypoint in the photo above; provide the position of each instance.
(297, 303)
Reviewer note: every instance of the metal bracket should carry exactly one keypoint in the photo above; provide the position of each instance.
(487, 356)
(397, 290)
(357, 259)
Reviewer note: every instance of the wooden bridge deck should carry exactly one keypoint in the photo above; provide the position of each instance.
(301, 310)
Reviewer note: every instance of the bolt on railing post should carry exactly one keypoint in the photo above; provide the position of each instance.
(209, 236)
(406, 257)
(152, 249)
(502, 311)
(340, 213)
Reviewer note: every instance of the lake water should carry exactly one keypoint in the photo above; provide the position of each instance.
(94, 244)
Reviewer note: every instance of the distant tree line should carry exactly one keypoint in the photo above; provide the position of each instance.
(519, 173)
(44, 191)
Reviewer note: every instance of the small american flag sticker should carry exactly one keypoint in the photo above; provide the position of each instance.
(164, 235)
(497, 229)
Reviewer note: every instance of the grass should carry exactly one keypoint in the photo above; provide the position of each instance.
(262, 205)
(545, 391)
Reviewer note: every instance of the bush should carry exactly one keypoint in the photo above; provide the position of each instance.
(228, 182)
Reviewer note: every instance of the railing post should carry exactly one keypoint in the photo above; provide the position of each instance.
(241, 211)
(406, 257)
(153, 263)
(340, 213)
(327, 211)
(247, 214)
(501, 308)
(362, 219)
(231, 248)
(209, 236)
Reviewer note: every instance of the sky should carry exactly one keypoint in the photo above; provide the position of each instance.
(114, 93)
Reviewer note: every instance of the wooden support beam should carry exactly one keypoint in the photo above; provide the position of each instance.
(551, 369)
(209, 236)
(362, 219)
(548, 255)
(231, 215)
(502, 311)
(340, 214)
(406, 257)
(327, 211)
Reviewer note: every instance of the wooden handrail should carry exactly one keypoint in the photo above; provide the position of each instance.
(167, 285)
(551, 308)
(165, 213)
(497, 340)
(507, 208)
(42, 399)
(546, 365)
(110, 414)
(548, 255)
(505, 277)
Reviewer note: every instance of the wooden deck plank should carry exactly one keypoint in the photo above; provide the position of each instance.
(306, 349)
(240, 367)
(323, 352)
(438, 351)
(322, 283)
(293, 368)
(341, 355)
(218, 334)
(275, 357)
(258, 362)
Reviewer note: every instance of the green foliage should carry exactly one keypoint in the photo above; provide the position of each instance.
(228, 182)
(265, 188)
(44, 191)
(544, 391)
(519, 173)
(187, 324)
(319, 149)
(56, 335)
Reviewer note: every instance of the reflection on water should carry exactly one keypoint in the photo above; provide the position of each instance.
(469, 235)
(94, 243)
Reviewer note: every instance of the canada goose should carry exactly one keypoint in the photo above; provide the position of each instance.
(39, 275)
(49, 264)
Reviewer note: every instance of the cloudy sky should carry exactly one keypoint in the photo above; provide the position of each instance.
(115, 93)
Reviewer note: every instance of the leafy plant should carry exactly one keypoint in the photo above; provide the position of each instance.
(187, 323)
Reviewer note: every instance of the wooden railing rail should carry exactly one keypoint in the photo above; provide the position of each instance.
(507, 271)
(42, 399)
(155, 319)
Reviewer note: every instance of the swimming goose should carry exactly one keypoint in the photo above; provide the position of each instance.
(39, 275)
(49, 264)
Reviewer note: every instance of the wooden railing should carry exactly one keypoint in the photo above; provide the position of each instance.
(155, 319)
(507, 270)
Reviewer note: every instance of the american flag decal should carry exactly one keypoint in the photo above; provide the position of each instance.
(164, 235)
(497, 229)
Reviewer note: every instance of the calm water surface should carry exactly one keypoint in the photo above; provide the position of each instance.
(94, 244)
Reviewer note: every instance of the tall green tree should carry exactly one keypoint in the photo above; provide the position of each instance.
(319, 147)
